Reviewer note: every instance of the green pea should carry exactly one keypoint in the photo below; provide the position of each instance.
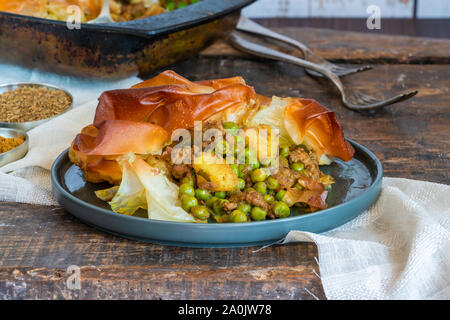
(269, 198)
(238, 216)
(241, 173)
(231, 127)
(186, 189)
(200, 212)
(189, 180)
(255, 164)
(181, 5)
(220, 194)
(241, 157)
(244, 207)
(260, 187)
(258, 175)
(266, 162)
(202, 194)
(187, 202)
(298, 166)
(258, 214)
(299, 186)
(218, 206)
(303, 147)
(170, 5)
(242, 170)
(284, 151)
(250, 156)
(241, 184)
(272, 183)
(249, 189)
(235, 168)
(283, 161)
(281, 210)
(221, 146)
(211, 201)
(240, 142)
(329, 188)
(280, 195)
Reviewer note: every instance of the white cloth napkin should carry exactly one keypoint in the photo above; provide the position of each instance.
(398, 249)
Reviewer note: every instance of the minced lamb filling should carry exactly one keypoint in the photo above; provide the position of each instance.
(260, 191)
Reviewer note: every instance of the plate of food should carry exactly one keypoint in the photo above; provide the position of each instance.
(213, 164)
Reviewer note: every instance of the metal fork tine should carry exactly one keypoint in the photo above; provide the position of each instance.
(360, 99)
(368, 99)
(343, 71)
(379, 103)
(364, 68)
(405, 96)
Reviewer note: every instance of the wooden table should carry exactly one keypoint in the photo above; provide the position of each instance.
(38, 243)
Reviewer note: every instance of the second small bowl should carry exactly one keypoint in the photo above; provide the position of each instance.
(18, 152)
(28, 125)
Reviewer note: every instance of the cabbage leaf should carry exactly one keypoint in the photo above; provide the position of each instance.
(144, 186)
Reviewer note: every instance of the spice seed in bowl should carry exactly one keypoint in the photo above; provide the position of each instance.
(31, 103)
(7, 144)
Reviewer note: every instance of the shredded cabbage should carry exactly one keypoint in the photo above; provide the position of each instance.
(144, 186)
(131, 194)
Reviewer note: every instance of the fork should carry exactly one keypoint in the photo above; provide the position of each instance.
(351, 99)
(249, 26)
(105, 14)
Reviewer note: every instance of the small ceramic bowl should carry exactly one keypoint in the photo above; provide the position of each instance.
(17, 153)
(28, 125)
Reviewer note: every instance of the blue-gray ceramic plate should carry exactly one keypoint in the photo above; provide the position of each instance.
(358, 184)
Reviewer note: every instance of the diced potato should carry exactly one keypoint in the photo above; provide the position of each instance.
(215, 170)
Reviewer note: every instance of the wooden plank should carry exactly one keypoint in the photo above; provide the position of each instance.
(356, 47)
(38, 244)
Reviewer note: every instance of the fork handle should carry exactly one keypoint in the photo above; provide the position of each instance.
(249, 26)
(265, 52)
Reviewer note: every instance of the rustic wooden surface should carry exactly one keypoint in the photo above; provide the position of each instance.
(412, 139)
(356, 47)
